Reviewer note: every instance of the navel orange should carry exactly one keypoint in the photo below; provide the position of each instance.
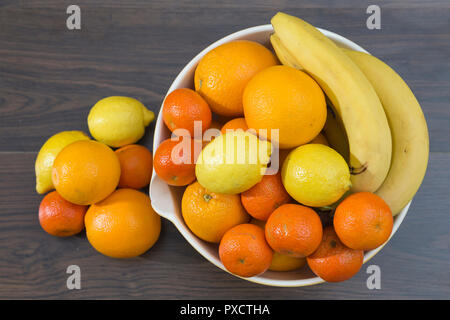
(223, 73)
(208, 214)
(124, 225)
(288, 100)
(86, 172)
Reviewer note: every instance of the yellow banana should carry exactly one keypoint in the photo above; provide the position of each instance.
(283, 55)
(408, 127)
(352, 95)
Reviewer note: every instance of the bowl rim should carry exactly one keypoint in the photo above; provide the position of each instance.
(187, 234)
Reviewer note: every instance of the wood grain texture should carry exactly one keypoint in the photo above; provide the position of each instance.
(50, 77)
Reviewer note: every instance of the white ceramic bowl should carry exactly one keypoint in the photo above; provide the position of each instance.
(166, 200)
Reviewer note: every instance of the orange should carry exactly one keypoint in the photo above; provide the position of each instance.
(223, 73)
(333, 261)
(60, 217)
(294, 230)
(136, 166)
(175, 161)
(320, 139)
(288, 100)
(124, 225)
(182, 107)
(86, 172)
(281, 262)
(234, 124)
(263, 198)
(363, 221)
(209, 215)
(244, 251)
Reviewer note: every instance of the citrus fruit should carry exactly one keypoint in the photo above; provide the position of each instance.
(294, 230)
(315, 175)
(60, 217)
(223, 73)
(333, 261)
(363, 221)
(86, 172)
(281, 262)
(233, 162)
(136, 166)
(244, 251)
(209, 215)
(287, 100)
(235, 124)
(124, 225)
(183, 107)
(264, 197)
(174, 161)
(118, 121)
(47, 154)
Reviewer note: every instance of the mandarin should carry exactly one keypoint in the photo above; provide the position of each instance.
(182, 108)
(363, 221)
(263, 198)
(244, 251)
(294, 230)
(333, 261)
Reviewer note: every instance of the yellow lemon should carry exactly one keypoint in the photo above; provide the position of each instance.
(47, 154)
(118, 121)
(315, 175)
(233, 162)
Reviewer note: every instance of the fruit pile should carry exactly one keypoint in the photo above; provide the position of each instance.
(96, 187)
(303, 162)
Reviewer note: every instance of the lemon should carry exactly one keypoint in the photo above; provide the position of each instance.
(47, 155)
(315, 175)
(233, 162)
(118, 121)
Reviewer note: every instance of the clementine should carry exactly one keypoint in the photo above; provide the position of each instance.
(294, 230)
(363, 221)
(136, 166)
(263, 198)
(234, 124)
(174, 161)
(60, 217)
(244, 251)
(333, 261)
(281, 262)
(182, 108)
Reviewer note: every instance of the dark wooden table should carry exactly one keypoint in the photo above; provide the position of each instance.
(50, 77)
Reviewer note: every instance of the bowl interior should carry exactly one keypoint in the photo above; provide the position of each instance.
(166, 200)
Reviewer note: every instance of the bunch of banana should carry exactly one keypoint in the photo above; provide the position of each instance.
(407, 129)
(354, 98)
